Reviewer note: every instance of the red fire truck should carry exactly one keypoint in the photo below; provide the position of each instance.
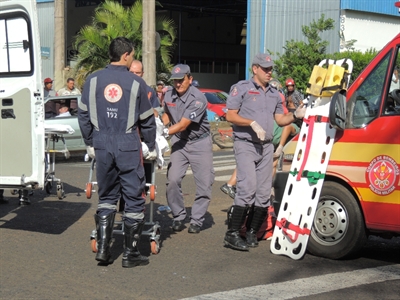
(361, 191)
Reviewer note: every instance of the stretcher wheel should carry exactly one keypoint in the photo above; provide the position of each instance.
(49, 187)
(93, 244)
(89, 190)
(14, 192)
(60, 191)
(152, 192)
(155, 247)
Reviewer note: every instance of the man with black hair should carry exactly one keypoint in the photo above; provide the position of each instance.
(113, 109)
(69, 89)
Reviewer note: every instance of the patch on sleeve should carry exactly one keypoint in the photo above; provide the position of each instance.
(234, 91)
(192, 115)
(198, 104)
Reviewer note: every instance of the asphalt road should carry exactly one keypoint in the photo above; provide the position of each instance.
(45, 254)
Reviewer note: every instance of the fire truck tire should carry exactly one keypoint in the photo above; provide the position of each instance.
(339, 228)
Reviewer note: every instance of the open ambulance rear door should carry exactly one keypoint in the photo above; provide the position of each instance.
(21, 97)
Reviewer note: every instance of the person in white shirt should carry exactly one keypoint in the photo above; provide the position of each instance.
(70, 89)
(395, 83)
(63, 111)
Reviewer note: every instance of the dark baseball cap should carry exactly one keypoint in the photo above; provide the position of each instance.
(179, 71)
(263, 60)
(48, 80)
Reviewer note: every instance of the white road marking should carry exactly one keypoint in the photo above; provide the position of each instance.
(304, 287)
(223, 178)
(221, 163)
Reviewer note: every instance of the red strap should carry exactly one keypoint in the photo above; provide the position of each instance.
(285, 225)
(310, 121)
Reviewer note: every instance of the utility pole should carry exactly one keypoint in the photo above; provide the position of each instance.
(149, 42)
(59, 43)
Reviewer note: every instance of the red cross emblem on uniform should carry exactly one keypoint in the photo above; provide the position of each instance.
(177, 70)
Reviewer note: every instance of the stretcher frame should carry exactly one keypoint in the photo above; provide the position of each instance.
(304, 184)
(153, 227)
(52, 137)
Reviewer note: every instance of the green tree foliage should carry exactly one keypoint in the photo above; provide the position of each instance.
(299, 57)
(111, 20)
(360, 60)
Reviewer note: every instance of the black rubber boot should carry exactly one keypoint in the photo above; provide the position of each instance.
(259, 214)
(104, 228)
(236, 217)
(132, 257)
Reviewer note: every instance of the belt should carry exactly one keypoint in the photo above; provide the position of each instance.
(253, 142)
(204, 135)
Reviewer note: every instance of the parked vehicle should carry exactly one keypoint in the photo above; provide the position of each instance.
(73, 141)
(216, 101)
(361, 190)
(21, 97)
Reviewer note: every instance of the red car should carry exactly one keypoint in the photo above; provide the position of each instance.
(216, 101)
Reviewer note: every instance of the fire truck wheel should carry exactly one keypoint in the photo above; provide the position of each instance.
(339, 228)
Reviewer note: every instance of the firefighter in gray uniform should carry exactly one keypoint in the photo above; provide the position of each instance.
(185, 108)
(252, 107)
(113, 109)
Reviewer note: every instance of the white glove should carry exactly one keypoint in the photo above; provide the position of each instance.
(152, 155)
(90, 152)
(258, 130)
(159, 126)
(300, 112)
(145, 149)
(165, 133)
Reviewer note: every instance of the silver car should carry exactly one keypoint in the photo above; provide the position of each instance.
(74, 142)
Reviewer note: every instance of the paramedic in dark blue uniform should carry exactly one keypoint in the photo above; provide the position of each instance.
(185, 108)
(113, 109)
(252, 107)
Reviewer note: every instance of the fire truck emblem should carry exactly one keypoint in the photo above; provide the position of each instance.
(113, 93)
(382, 175)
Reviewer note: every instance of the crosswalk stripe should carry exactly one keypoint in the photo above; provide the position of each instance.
(309, 286)
(223, 178)
(221, 163)
(216, 169)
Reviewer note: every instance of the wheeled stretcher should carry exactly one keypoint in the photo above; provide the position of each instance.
(54, 134)
(151, 228)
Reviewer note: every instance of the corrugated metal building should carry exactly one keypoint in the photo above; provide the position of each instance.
(45, 9)
(270, 23)
(372, 23)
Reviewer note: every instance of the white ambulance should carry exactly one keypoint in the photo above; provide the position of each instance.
(21, 97)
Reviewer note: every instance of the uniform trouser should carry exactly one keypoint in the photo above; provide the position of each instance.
(200, 157)
(120, 174)
(254, 173)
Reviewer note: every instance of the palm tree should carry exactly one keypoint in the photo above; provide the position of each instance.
(111, 20)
